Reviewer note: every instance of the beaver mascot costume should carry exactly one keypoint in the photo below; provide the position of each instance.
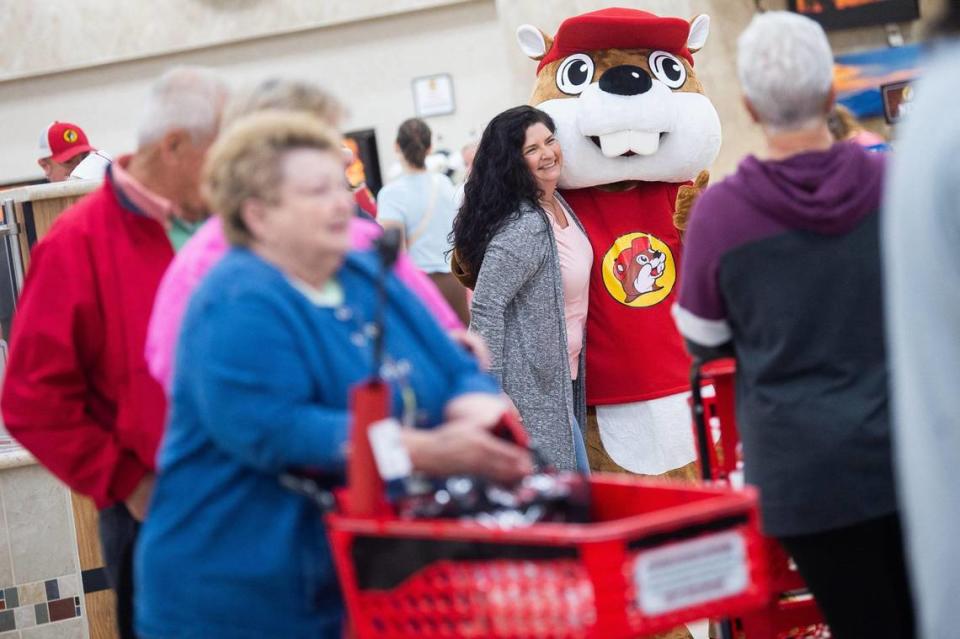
(637, 134)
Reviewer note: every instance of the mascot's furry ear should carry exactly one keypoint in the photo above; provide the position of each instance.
(699, 30)
(533, 42)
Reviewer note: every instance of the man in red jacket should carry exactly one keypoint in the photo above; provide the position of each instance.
(77, 392)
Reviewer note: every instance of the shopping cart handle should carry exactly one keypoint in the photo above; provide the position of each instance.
(511, 429)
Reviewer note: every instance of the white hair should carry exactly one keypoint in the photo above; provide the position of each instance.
(183, 98)
(785, 67)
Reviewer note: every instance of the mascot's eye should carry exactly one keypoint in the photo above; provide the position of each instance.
(575, 74)
(642, 259)
(668, 69)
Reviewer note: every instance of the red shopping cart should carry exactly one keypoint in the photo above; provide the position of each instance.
(791, 612)
(652, 556)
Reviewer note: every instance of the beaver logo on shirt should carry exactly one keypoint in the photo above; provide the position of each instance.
(639, 270)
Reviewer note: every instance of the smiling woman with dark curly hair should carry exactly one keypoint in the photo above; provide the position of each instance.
(521, 248)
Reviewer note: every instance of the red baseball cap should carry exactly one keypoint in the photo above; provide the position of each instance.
(62, 141)
(617, 28)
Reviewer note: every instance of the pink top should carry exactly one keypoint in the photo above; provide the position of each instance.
(576, 260)
(206, 248)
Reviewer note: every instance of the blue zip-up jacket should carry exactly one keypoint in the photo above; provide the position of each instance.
(262, 383)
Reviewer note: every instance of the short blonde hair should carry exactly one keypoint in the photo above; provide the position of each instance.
(286, 95)
(246, 162)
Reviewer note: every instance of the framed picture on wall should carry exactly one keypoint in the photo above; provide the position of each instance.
(847, 14)
(433, 95)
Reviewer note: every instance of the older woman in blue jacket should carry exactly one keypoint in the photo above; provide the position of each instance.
(272, 341)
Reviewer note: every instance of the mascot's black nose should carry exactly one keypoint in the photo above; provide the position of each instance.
(625, 79)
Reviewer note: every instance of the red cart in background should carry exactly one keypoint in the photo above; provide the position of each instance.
(791, 612)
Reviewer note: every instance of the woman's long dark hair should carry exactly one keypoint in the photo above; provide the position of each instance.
(499, 182)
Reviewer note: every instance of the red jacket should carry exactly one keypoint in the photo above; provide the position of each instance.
(77, 392)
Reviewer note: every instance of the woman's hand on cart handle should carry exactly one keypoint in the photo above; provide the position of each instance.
(466, 447)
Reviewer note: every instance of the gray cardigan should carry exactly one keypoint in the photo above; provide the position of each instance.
(518, 309)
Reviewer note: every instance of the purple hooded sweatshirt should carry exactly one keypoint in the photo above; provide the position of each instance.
(782, 267)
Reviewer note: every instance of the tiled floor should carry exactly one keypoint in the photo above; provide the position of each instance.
(39, 603)
(40, 585)
(70, 629)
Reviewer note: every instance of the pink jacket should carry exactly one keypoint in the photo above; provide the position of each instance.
(206, 248)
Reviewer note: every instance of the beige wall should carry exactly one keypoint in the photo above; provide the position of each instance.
(370, 64)
(81, 33)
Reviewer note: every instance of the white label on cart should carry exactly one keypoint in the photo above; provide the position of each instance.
(690, 573)
(392, 458)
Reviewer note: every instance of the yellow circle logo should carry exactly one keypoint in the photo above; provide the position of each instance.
(70, 136)
(638, 270)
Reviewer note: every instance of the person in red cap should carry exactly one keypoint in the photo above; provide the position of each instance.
(63, 146)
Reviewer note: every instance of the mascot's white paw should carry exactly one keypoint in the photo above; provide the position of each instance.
(649, 437)
(699, 630)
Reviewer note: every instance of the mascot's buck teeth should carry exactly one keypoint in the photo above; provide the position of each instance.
(622, 142)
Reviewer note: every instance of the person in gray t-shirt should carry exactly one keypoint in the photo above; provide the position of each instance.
(422, 205)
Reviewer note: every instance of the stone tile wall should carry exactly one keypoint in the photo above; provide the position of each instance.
(41, 588)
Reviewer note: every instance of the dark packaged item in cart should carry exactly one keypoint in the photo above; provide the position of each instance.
(544, 497)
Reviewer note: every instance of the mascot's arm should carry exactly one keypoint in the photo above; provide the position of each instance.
(686, 196)
(460, 271)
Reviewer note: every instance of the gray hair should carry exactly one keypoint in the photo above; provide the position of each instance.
(183, 98)
(785, 67)
(284, 94)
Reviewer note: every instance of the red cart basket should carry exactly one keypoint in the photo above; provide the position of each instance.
(653, 556)
(791, 612)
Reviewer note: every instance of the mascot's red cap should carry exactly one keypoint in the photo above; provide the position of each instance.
(617, 28)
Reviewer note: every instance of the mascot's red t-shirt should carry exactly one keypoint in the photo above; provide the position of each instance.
(637, 355)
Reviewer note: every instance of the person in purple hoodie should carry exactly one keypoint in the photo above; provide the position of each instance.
(782, 270)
